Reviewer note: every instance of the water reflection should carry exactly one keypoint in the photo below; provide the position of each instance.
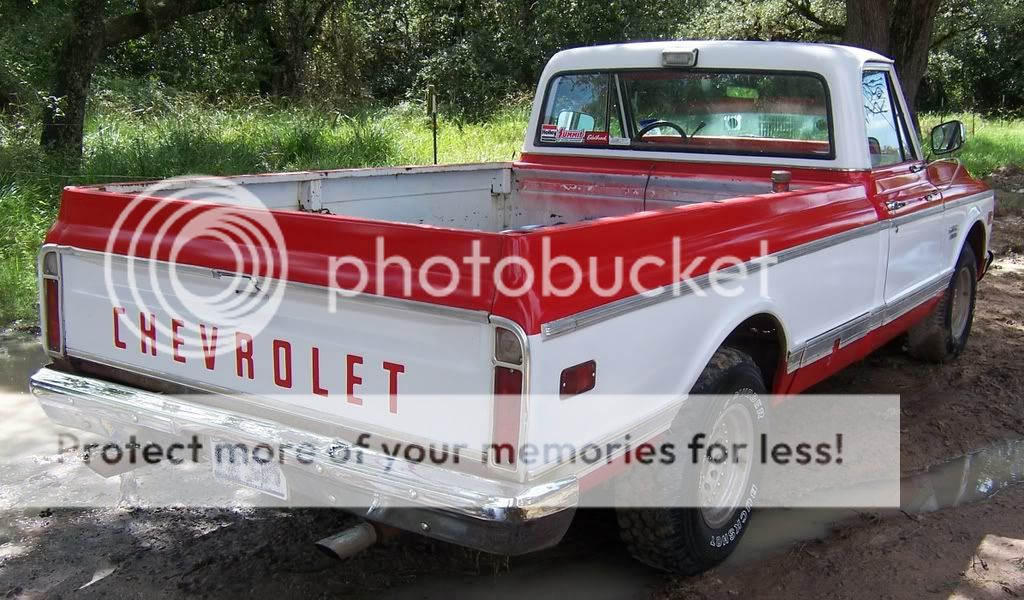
(20, 356)
(969, 478)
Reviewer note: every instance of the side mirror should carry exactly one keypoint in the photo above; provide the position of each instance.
(568, 119)
(947, 137)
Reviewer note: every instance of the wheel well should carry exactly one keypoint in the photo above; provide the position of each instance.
(976, 240)
(762, 337)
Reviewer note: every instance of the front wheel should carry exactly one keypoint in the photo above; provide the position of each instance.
(687, 540)
(942, 336)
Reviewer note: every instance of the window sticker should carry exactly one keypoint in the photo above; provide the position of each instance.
(548, 133)
(596, 137)
(572, 136)
(618, 141)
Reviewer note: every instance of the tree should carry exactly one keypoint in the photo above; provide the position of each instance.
(88, 34)
(291, 28)
(901, 30)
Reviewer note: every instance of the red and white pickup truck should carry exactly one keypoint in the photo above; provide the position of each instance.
(490, 304)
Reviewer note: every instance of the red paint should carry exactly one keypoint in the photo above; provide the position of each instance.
(317, 388)
(118, 343)
(147, 334)
(209, 346)
(176, 340)
(352, 380)
(282, 352)
(393, 370)
(838, 201)
(243, 355)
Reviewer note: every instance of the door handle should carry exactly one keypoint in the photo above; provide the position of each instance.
(895, 205)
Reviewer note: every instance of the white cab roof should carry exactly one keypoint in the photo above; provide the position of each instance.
(840, 66)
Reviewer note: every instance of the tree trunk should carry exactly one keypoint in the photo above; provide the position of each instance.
(867, 24)
(911, 33)
(64, 114)
(901, 30)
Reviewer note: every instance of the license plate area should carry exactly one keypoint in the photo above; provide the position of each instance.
(242, 464)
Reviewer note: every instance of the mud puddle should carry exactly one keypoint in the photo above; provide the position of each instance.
(972, 477)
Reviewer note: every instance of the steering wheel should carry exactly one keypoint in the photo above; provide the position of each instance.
(647, 129)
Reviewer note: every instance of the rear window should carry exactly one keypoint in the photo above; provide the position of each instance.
(724, 112)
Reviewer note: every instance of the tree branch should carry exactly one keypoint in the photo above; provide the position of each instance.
(803, 9)
(126, 27)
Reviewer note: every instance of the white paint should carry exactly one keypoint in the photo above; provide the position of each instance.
(840, 66)
(441, 354)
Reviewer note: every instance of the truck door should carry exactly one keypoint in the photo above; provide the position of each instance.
(910, 202)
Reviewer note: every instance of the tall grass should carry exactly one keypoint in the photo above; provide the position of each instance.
(990, 143)
(180, 136)
(169, 136)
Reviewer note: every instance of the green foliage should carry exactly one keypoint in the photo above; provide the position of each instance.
(990, 143)
(760, 20)
(979, 62)
(171, 135)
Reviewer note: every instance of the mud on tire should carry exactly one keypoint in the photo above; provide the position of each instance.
(942, 336)
(681, 540)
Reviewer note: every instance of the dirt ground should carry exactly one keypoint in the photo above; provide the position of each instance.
(971, 551)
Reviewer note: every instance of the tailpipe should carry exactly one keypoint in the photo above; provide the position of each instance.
(348, 542)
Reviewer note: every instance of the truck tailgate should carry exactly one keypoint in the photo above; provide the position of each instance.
(371, 364)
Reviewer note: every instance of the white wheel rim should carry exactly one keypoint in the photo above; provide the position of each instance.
(721, 487)
(960, 310)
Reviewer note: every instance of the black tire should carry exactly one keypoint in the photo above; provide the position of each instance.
(934, 339)
(680, 540)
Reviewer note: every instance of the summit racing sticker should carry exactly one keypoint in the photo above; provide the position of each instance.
(572, 136)
(549, 133)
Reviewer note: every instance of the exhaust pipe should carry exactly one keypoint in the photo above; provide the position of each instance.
(348, 542)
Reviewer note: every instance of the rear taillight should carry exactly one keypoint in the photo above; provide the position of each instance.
(50, 301)
(508, 409)
(509, 368)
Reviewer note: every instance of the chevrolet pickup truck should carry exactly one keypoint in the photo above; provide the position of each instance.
(493, 304)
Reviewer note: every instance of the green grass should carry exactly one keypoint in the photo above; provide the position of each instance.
(990, 143)
(182, 137)
(169, 136)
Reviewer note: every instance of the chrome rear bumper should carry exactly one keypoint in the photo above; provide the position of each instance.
(501, 517)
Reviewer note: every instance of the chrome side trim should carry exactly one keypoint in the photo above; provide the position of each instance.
(910, 301)
(613, 309)
(679, 289)
(915, 216)
(388, 477)
(846, 333)
(979, 197)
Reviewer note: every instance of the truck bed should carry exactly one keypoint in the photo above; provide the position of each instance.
(489, 197)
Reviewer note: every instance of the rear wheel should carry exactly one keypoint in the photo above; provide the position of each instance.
(943, 335)
(693, 539)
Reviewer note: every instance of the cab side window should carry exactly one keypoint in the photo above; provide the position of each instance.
(888, 142)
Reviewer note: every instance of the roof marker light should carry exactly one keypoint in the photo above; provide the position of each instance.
(678, 57)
